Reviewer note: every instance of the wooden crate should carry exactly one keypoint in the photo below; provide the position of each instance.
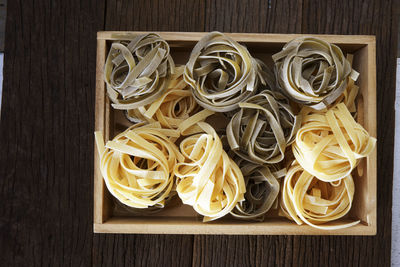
(181, 219)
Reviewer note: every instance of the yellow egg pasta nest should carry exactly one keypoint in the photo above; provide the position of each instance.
(306, 199)
(175, 109)
(137, 165)
(208, 179)
(330, 145)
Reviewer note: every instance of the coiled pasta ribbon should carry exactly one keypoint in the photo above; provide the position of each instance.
(137, 72)
(330, 145)
(137, 165)
(175, 109)
(348, 97)
(306, 199)
(208, 179)
(312, 72)
(263, 127)
(262, 189)
(222, 73)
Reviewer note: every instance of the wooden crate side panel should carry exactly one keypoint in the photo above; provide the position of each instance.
(225, 227)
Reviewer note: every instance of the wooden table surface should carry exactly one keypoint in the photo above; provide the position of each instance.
(47, 123)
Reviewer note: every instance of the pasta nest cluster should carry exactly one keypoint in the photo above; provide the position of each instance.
(143, 167)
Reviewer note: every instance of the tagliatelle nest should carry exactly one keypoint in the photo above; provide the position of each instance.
(136, 73)
(262, 188)
(222, 73)
(263, 128)
(330, 145)
(175, 109)
(306, 199)
(208, 179)
(312, 72)
(137, 165)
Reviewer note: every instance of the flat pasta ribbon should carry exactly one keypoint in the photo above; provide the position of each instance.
(137, 165)
(312, 72)
(136, 73)
(222, 73)
(348, 97)
(263, 127)
(306, 199)
(262, 189)
(175, 109)
(208, 179)
(330, 145)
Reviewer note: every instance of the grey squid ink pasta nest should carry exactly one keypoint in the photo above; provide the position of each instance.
(137, 72)
(263, 127)
(222, 73)
(312, 71)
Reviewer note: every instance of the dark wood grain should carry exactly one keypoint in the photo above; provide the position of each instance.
(47, 122)
(46, 133)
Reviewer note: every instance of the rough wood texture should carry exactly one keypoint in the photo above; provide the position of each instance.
(47, 122)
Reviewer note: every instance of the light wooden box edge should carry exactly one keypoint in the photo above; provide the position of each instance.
(284, 227)
(245, 37)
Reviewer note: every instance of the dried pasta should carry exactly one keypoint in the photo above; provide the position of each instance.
(175, 109)
(306, 199)
(208, 179)
(136, 73)
(263, 127)
(312, 72)
(308, 102)
(222, 73)
(348, 97)
(262, 189)
(137, 165)
(330, 145)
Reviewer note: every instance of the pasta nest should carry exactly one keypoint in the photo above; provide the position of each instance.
(208, 179)
(306, 199)
(329, 145)
(312, 72)
(137, 165)
(262, 188)
(222, 73)
(263, 127)
(136, 73)
(175, 109)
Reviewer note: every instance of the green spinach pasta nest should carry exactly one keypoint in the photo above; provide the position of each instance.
(222, 73)
(312, 72)
(262, 188)
(136, 72)
(263, 127)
